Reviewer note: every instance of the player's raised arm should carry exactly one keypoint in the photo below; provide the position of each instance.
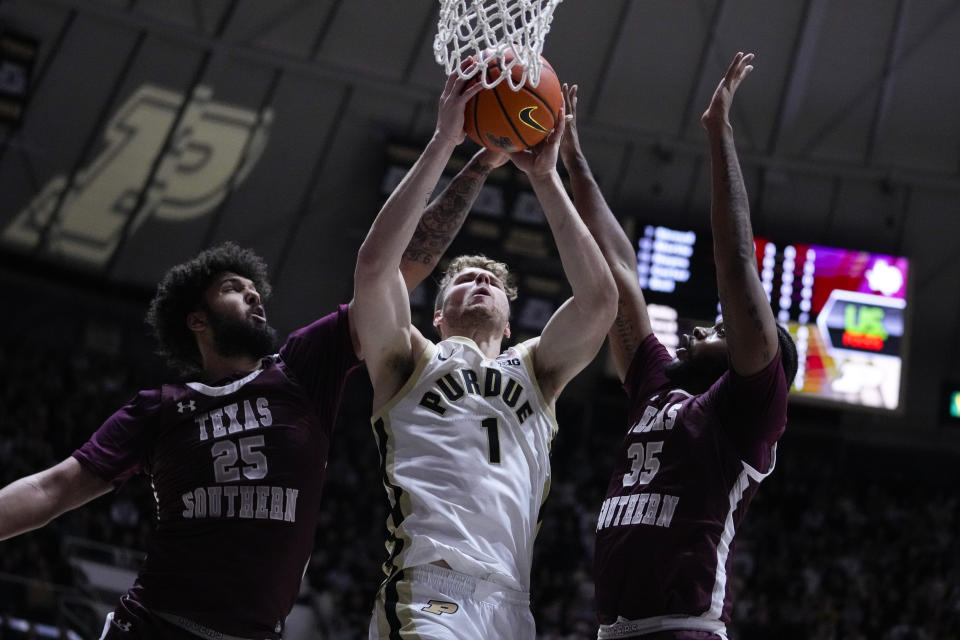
(381, 305)
(444, 216)
(632, 323)
(575, 332)
(33, 501)
(749, 324)
(440, 223)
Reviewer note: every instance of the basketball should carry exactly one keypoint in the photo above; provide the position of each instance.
(506, 120)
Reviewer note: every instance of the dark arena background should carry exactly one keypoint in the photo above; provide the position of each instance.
(138, 132)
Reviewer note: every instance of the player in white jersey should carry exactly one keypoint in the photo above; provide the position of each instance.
(460, 402)
(463, 429)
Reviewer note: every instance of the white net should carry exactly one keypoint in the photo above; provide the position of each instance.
(484, 28)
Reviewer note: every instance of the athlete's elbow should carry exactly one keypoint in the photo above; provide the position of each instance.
(733, 256)
(598, 311)
(606, 297)
(371, 264)
(34, 508)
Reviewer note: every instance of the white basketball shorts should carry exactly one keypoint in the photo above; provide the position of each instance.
(432, 603)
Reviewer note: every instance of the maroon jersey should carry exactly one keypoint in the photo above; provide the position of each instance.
(237, 470)
(686, 472)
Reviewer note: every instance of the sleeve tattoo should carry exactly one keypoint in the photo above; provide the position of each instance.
(443, 217)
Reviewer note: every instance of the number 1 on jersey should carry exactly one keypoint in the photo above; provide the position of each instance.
(493, 439)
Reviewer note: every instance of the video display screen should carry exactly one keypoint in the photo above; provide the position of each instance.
(846, 309)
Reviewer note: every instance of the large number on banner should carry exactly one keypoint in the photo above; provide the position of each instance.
(212, 150)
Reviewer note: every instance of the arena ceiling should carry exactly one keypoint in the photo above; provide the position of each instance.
(848, 130)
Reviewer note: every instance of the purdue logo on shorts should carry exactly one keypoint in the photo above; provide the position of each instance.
(440, 607)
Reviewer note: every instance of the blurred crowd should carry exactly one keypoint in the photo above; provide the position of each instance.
(843, 542)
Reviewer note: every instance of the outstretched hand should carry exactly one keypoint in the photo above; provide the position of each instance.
(718, 112)
(453, 101)
(570, 142)
(542, 159)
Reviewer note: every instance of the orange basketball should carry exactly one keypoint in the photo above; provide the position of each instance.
(506, 120)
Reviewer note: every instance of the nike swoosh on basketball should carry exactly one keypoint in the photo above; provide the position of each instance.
(526, 117)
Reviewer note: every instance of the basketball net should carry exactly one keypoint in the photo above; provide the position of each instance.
(485, 28)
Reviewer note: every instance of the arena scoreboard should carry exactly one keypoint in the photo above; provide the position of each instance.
(846, 309)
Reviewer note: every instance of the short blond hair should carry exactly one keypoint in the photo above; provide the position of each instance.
(478, 261)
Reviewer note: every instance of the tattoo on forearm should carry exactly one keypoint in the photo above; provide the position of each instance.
(757, 320)
(623, 328)
(481, 168)
(733, 237)
(442, 218)
(733, 187)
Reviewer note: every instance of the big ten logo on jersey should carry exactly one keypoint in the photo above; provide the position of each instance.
(488, 383)
(211, 151)
(236, 459)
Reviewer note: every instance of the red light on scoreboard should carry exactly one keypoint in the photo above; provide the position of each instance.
(862, 341)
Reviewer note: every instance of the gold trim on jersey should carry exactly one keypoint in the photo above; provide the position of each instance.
(543, 501)
(422, 362)
(548, 409)
(405, 610)
(527, 357)
(399, 499)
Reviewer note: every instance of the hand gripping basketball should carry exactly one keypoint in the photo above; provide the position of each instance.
(450, 113)
(506, 120)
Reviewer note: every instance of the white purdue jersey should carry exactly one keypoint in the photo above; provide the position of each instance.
(465, 453)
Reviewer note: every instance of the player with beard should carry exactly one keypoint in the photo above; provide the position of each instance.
(237, 455)
(464, 430)
(702, 429)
